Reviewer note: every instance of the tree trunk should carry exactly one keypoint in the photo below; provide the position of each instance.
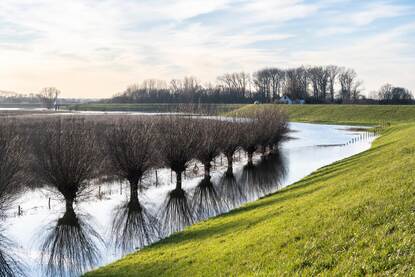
(179, 180)
(133, 191)
(250, 157)
(69, 204)
(230, 163)
(207, 169)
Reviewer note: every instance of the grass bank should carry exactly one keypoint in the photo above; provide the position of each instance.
(342, 114)
(148, 108)
(356, 217)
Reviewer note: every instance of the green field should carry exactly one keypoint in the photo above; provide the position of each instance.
(342, 114)
(354, 217)
(148, 108)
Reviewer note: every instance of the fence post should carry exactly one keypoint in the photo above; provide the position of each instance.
(157, 179)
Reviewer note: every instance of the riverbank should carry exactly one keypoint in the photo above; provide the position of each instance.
(354, 217)
(149, 107)
(341, 114)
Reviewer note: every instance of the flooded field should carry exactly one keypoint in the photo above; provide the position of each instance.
(310, 147)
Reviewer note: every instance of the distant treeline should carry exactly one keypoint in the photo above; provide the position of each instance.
(47, 97)
(16, 98)
(314, 84)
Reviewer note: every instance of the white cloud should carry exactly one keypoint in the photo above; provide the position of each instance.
(96, 48)
(378, 59)
(377, 11)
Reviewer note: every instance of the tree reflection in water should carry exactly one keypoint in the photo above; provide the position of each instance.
(230, 190)
(206, 202)
(133, 227)
(261, 178)
(10, 264)
(71, 246)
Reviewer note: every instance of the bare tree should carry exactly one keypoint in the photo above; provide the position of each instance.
(265, 130)
(48, 97)
(178, 143)
(12, 167)
(277, 80)
(130, 148)
(65, 158)
(230, 190)
(350, 86)
(206, 202)
(272, 126)
(319, 77)
(297, 81)
(394, 95)
(357, 90)
(236, 83)
(262, 81)
(333, 72)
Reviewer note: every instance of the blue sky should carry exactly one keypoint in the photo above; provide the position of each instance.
(94, 48)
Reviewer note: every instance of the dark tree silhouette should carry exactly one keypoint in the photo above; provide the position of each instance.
(48, 97)
(206, 201)
(130, 148)
(178, 143)
(264, 177)
(265, 129)
(70, 246)
(12, 177)
(272, 126)
(65, 157)
(230, 190)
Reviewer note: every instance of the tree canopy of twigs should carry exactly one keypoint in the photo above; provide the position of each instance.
(65, 155)
(70, 246)
(12, 162)
(178, 143)
(130, 148)
(231, 141)
(48, 96)
(206, 201)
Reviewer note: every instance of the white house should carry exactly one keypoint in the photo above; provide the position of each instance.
(286, 100)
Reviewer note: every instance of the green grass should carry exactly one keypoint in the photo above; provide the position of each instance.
(150, 108)
(342, 114)
(354, 217)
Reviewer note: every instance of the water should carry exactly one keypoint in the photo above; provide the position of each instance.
(312, 146)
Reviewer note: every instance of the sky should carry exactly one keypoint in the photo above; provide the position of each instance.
(96, 48)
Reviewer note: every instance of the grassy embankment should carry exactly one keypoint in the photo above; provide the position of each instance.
(356, 216)
(342, 114)
(149, 108)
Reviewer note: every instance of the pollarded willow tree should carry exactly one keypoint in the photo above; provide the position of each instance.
(230, 190)
(264, 176)
(130, 149)
(178, 142)
(250, 137)
(272, 127)
(206, 201)
(65, 158)
(264, 131)
(12, 177)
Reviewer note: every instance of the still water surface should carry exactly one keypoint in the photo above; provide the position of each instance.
(311, 147)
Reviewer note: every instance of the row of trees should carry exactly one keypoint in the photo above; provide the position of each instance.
(316, 84)
(47, 97)
(70, 154)
(389, 94)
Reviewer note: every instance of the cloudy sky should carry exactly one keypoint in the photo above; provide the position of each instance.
(95, 48)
